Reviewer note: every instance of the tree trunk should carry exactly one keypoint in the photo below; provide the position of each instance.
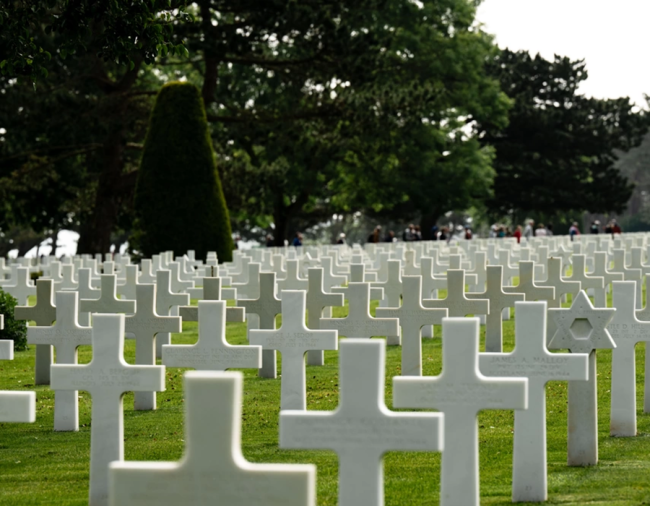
(427, 221)
(281, 222)
(96, 230)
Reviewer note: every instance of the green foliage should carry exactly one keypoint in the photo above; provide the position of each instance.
(118, 30)
(179, 201)
(558, 153)
(15, 330)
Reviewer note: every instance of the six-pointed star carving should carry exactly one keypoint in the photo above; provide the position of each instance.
(582, 309)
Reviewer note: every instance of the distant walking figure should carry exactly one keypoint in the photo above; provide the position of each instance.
(573, 230)
(517, 234)
(528, 231)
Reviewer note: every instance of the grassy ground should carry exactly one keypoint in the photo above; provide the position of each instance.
(38, 466)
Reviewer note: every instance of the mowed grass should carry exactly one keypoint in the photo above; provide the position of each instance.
(41, 467)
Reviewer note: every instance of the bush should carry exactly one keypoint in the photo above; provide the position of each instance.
(179, 202)
(16, 330)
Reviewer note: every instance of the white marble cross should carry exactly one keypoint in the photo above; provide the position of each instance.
(582, 329)
(456, 302)
(528, 287)
(361, 430)
(264, 308)
(358, 322)
(392, 286)
(108, 301)
(293, 281)
(358, 274)
(587, 282)
(86, 291)
(23, 288)
(627, 331)
(293, 339)
(213, 469)
(460, 392)
(212, 291)
(65, 336)
(430, 286)
(177, 284)
(530, 359)
(509, 271)
(107, 377)
(330, 280)
(499, 300)
(146, 274)
(212, 352)
(251, 288)
(319, 304)
(635, 275)
(128, 289)
(15, 407)
(143, 327)
(68, 282)
(43, 313)
(167, 303)
(601, 270)
(554, 279)
(412, 317)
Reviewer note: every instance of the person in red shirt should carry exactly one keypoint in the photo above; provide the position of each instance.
(517, 234)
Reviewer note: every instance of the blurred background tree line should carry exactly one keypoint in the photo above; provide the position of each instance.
(323, 113)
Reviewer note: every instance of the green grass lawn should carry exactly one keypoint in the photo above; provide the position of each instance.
(39, 466)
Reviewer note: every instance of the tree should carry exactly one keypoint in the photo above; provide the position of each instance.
(557, 155)
(179, 202)
(120, 31)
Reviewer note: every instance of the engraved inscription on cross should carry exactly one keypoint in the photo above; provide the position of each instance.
(358, 322)
(319, 302)
(43, 313)
(65, 336)
(499, 300)
(530, 359)
(582, 329)
(213, 469)
(143, 327)
(265, 308)
(293, 339)
(107, 377)
(412, 317)
(212, 352)
(362, 428)
(460, 392)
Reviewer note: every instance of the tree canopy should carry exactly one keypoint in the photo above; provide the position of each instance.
(559, 150)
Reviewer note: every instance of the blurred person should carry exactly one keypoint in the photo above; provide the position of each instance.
(374, 237)
(390, 237)
(409, 233)
(517, 234)
(468, 233)
(528, 230)
(574, 230)
(540, 231)
(595, 227)
(341, 239)
(616, 228)
(297, 240)
(417, 233)
(434, 233)
(269, 241)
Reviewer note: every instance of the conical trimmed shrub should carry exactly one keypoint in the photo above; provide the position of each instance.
(179, 201)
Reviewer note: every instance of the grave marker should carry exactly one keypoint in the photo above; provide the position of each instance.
(293, 339)
(627, 331)
(108, 303)
(265, 308)
(498, 301)
(213, 469)
(43, 313)
(319, 304)
(530, 359)
(107, 377)
(15, 407)
(212, 291)
(212, 351)
(143, 326)
(361, 429)
(412, 317)
(166, 304)
(358, 323)
(460, 392)
(582, 329)
(456, 302)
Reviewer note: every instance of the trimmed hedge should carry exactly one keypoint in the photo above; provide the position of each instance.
(179, 202)
(16, 330)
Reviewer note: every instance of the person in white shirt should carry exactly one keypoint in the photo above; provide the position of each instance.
(540, 231)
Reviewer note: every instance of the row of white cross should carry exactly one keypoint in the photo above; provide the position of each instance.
(458, 393)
